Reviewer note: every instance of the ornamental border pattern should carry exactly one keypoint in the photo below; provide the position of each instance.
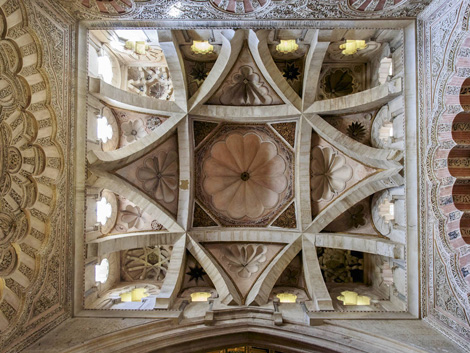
(433, 224)
(275, 9)
(428, 194)
(57, 61)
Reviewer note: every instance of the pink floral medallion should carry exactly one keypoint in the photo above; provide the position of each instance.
(246, 176)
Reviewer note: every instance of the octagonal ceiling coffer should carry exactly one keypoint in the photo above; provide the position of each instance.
(245, 175)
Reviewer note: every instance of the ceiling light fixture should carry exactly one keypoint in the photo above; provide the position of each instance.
(287, 46)
(202, 47)
(351, 47)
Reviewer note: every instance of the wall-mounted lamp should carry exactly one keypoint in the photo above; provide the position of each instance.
(135, 295)
(138, 47)
(287, 46)
(352, 298)
(202, 47)
(200, 296)
(351, 47)
(287, 297)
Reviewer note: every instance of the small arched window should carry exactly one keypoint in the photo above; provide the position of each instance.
(385, 70)
(105, 68)
(102, 271)
(386, 132)
(387, 211)
(103, 211)
(104, 131)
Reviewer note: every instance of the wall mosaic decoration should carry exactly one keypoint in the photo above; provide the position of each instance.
(371, 5)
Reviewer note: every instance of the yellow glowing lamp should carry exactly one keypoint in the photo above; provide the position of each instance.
(126, 297)
(202, 47)
(352, 46)
(200, 296)
(287, 46)
(287, 297)
(138, 294)
(135, 295)
(139, 47)
(352, 298)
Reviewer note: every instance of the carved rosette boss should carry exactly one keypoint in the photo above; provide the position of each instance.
(245, 176)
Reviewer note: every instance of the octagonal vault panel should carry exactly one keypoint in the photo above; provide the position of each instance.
(244, 175)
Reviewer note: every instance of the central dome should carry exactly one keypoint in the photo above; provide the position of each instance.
(245, 175)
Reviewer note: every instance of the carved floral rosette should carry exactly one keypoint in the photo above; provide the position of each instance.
(259, 207)
(31, 162)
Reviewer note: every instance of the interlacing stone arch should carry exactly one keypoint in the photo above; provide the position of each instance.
(250, 156)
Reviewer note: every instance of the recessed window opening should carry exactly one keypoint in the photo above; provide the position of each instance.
(102, 271)
(385, 70)
(105, 68)
(387, 211)
(104, 131)
(103, 211)
(386, 131)
(135, 295)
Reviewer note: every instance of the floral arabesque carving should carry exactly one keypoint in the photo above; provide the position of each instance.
(133, 217)
(31, 164)
(244, 176)
(116, 7)
(244, 260)
(338, 83)
(159, 176)
(218, 9)
(330, 173)
(133, 130)
(240, 7)
(246, 88)
(373, 6)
